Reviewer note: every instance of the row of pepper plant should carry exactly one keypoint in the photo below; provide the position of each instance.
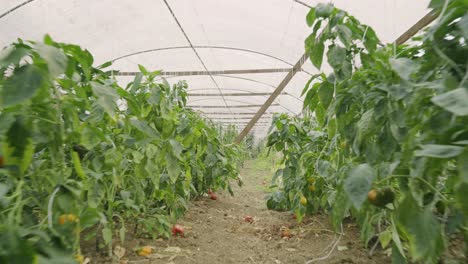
(83, 158)
(384, 136)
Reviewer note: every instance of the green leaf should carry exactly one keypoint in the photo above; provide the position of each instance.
(143, 69)
(455, 101)
(371, 40)
(143, 127)
(311, 17)
(365, 123)
(340, 208)
(176, 148)
(397, 258)
(324, 10)
(344, 34)
(462, 198)
(55, 58)
(136, 82)
(385, 237)
(320, 113)
(105, 65)
(89, 217)
(463, 167)
(107, 97)
(173, 167)
(13, 55)
(316, 54)
(24, 83)
(463, 25)
(325, 94)
(336, 55)
(397, 242)
(107, 235)
(422, 230)
(404, 67)
(359, 183)
(439, 151)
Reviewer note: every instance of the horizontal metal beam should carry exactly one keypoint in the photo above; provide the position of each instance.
(229, 106)
(188, 73)
(235, 118)
(242, 123)
(227, 113)
(232, 94)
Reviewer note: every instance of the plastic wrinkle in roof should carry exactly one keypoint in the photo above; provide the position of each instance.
(210, 36)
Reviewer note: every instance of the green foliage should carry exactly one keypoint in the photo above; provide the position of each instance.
(77, 145)
(390, 118)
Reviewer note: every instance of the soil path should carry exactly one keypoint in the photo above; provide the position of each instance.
(217, 233)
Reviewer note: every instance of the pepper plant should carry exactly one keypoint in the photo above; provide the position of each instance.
(82, 155)
(387, 141)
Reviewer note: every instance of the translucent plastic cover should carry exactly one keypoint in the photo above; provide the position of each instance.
(189, 35)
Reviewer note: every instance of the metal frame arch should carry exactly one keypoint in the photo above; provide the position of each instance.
(207, 47)
(237, 101)
(242, 78)
(13, 9)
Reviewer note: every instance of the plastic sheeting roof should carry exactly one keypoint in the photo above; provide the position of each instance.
(227, 35)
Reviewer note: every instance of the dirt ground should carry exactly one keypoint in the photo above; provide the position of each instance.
(216, 232)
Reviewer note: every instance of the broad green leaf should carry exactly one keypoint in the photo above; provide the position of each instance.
(311, 17)
(371, 40)
(341, 207)
(404, 67)
(325, 94)
(173, 167)
(316, 54)
(55, 58)
(143, 127)
(323, 168)
(455, 101)
(397, 257)
(463, 25)
(3, 191)
(344, 34)
(107, 97)
(90, 136)
(143, 69)
(397, 245)
(385, 237)
(107, 235)
(336, 55)
(324, 10)
(423, 231)
(364, 124)
(320, 113)
(13, 55)
(6, 120)
(89, 217)
(461, 197)
(18, 142)
(358, 184)
(176, 148)
(439, 151)
(24, 83)
(136, 82)
(463, 167)
(105, 65)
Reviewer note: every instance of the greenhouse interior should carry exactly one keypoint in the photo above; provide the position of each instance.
(280, 131)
